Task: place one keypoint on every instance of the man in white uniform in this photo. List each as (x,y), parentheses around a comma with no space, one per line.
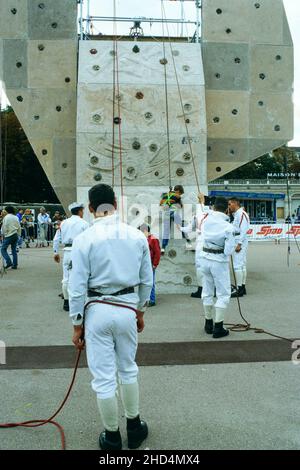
(217,245)
(241,224)
(68,230)
(111,262)
(195,225)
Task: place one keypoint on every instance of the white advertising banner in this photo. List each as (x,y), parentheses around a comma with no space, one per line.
(274,231)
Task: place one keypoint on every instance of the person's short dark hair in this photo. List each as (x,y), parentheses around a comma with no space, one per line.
(179,188)
(221,204)
(235,199)
(102,198)
(76,210)
(10,209)
(144,228)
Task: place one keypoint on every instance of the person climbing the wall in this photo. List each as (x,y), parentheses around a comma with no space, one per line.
(171,205)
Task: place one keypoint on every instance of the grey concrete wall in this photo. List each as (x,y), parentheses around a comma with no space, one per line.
(248,66)
(38,65)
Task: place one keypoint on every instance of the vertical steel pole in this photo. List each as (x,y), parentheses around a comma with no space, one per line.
(198,20)
(81,19)
(88,17)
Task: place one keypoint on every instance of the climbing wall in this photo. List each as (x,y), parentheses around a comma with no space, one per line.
(143,122)
(248,66)
(38,66)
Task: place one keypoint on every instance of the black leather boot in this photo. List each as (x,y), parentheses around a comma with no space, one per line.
(244,289)
(238,293)
(66,305)
(209,326)
(219,330)
(137,431)
(197,294)
(110,440)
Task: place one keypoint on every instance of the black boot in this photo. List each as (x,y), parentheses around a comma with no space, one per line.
(197,294)
(209,326)
(110,440)
(137,431)
(244,289)
(66,305)
(219,330)
(238,293)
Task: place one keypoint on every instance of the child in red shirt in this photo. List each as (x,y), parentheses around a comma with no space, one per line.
(154,248)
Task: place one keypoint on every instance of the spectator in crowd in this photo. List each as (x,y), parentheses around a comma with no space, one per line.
(56,221)
(28,221)
(43,221)
(11,230)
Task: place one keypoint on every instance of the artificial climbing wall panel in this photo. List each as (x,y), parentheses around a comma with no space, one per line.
(141,99)
(38,66)
(248,67)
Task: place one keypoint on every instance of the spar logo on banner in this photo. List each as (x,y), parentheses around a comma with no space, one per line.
(295,231)
(266,231)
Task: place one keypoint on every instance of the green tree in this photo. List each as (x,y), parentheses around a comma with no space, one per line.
(23,179)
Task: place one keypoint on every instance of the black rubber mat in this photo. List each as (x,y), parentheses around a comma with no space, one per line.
(157,354)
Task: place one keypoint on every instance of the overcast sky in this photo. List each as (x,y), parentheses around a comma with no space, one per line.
(152,8)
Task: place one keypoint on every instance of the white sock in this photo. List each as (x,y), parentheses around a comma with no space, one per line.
(244,275)
(209,311)
(130,398)
(239,277)
(65,292)
(199,278)
(220,314)
(108,408)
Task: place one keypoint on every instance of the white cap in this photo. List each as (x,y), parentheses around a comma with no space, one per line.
(76,205)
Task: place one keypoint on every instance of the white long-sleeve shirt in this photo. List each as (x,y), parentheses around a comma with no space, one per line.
(108,257)
(216,234)
(241,224)
(43,219)
(68,231)
(10,225)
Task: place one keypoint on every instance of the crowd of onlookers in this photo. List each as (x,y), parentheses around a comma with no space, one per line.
(36,229)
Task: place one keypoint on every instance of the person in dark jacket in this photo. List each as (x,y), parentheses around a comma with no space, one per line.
(155,257)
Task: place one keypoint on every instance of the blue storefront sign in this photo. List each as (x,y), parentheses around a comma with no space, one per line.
(247,195)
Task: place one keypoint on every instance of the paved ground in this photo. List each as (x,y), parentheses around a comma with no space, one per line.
(210,398)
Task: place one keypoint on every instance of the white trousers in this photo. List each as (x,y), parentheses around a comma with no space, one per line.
(240,259)
(66,273)
(215,275)
(111,344)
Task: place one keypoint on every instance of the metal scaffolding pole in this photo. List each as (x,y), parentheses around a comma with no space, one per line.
(141,19)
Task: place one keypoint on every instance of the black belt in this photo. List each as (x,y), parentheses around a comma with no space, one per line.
(127,290)
(68,245)
(214,252)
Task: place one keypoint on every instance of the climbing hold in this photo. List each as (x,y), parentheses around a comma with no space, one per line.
(257,5)
(219,11)
(216,119)
(139,95)
(94,160)
(277,128)
(41,6)
(44,151)
(54,25)
(156,173)
(186,156)
(209,148)
(260,103)
(218,169)
(64,165)
(97,118)
(117,120)
(148,115)
(163,61)
(131,171)
(36,117)
(180,172)
(14,11)
(187,280)
(234,112)
(187,121)
(41,47)
(93,51)
(98,177)
(58,108)
(278,57)
(262,76)
(67,79)
(153,147)
(186,68)
(172,254)
(217,75)
(96,68)
(20,98)
(228,30)
(187,107)
(237,60)
(135,49)
(232,152)
(136,145)
(19,64)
